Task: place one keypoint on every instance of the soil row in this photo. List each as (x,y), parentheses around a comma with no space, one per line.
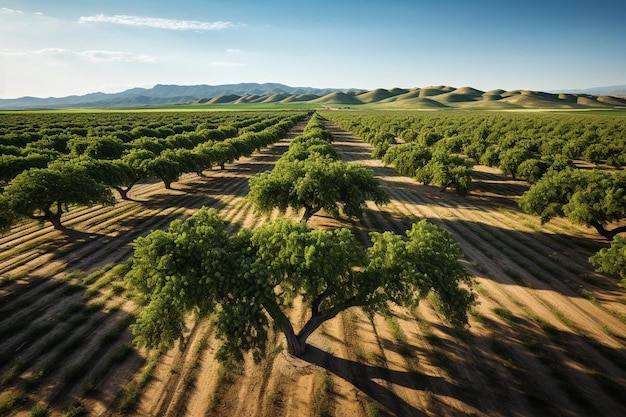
(546,337)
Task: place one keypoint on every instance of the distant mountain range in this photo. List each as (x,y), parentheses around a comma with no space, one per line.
(159,95)
(614,90)
(253,93)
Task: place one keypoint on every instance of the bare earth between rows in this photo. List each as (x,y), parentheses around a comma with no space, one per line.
(547,337)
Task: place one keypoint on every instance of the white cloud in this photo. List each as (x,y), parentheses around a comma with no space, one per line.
(10,11)
(12,52)
(159,23)
(115,56)
(91,55)
(233,51)
(52,51)
(227,64)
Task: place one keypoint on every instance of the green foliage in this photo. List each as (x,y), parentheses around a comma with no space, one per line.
(612,260)
(44,193)
(198,267)
(224,152)
(592,198)
(423,260)
(190,267)
(165,168)
(7,216)
(532,169)
(12,165)
(113,173)
(447,170)
(316,183)
(303,146)
(491,156)
(309,176)
(496,139)
(511,159)
(408,158)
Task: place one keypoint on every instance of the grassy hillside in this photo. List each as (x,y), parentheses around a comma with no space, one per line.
(434,97)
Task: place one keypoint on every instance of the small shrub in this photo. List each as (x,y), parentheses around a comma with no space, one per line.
(38,411)
(9,400)
(505,313)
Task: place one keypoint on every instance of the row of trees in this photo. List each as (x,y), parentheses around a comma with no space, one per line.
(17,154)
(246,279)
(46,193)
(445,156)
(483,136)
(538,148)
(310,176)
(436,165)
(23,129)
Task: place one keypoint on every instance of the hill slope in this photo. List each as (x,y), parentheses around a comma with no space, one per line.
(161,94)
(430,97)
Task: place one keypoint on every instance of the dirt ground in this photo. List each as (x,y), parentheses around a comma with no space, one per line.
(547,337)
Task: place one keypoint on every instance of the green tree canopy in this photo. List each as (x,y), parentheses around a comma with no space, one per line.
(408,158)
(592,198)
(117,173)
(12,165)
(247,279)
(612,260)
(164,167)
(224,152)
(303,146)
(532,169)
(447,170)
(511,159)
(316,183)
(45,193)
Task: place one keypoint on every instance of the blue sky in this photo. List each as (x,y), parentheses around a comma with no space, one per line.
(58,48)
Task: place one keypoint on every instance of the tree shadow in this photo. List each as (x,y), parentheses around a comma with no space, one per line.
(79,236)
(557,372)
(512,365)
(60,345)
(371,380)
(190,200)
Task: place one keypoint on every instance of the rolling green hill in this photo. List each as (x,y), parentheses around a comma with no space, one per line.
(429,97)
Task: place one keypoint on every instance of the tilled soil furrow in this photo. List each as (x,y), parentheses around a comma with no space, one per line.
(536,346)
(109,232)
(493,240)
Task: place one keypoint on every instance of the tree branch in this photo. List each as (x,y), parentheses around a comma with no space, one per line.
(317,319)
(607,234)
(315,304)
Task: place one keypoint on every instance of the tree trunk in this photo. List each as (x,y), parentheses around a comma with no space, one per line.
(55,218)
(56,222)
(607,234)
(295,345)
(308,213)
(314,322)
(442,189)
(168,183)
(123,192)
